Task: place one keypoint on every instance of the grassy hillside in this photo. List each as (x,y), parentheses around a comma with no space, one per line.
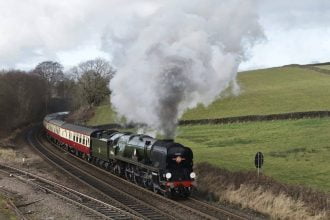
(269,91)
(296,151)
(325,67)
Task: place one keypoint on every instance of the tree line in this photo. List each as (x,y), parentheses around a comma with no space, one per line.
(27,96)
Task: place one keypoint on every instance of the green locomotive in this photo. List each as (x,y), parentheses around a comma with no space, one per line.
(162,165)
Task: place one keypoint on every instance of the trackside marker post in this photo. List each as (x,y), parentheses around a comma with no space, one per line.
(259,161)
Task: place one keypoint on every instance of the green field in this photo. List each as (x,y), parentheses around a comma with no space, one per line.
(296,151)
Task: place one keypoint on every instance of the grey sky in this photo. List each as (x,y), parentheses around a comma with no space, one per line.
(297,31)
(31,31)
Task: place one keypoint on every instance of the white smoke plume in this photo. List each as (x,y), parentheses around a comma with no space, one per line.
(184,53)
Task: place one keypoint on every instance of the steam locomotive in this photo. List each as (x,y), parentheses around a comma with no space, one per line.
(163,166)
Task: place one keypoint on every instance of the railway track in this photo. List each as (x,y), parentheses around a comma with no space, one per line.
(131,198)
(105,192)
(220,213)
(93,208)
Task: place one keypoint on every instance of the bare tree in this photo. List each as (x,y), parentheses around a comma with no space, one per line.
(51,71)
(93,77)
(99,66)
(94,88)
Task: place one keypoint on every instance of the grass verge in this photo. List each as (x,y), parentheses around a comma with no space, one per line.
(262,194)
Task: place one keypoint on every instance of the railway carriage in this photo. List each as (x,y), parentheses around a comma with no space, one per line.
(77,139)
(161,165)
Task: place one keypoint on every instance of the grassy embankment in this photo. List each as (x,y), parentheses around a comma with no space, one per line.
(295,151)
(103,115)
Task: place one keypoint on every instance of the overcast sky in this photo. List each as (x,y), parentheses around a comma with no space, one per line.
(32,31)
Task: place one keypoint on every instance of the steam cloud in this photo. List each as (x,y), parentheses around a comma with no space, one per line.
(184,53)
